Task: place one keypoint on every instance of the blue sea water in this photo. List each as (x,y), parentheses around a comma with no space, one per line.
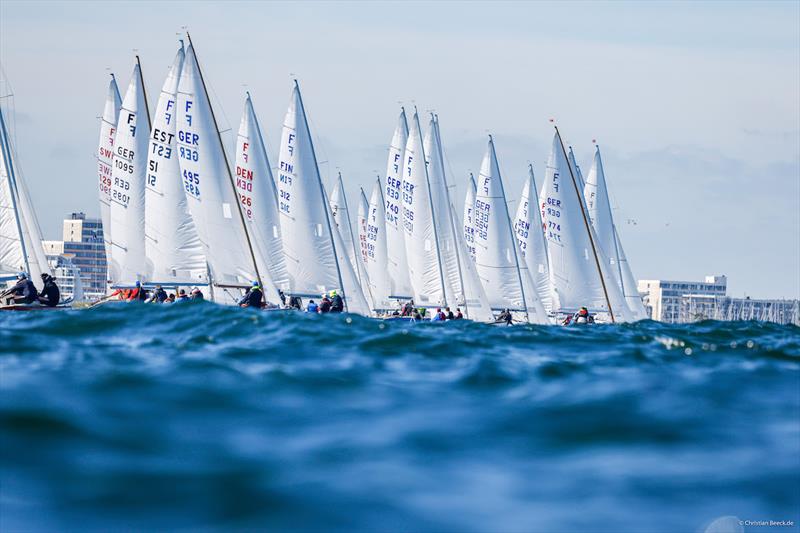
(192,417)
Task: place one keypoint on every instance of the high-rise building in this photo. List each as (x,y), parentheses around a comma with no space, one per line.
(83,247)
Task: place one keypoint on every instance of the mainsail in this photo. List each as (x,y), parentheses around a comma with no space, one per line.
(362,249)
(531,240)
(105,155)
(504,276)
(578,271)
(259,197)
(469,219)
(210,190)
(20,237)
(128,175)
(419,225)
(395,239)
(341,217)
(173,249)
(599,208)
(316,258)
(376,259)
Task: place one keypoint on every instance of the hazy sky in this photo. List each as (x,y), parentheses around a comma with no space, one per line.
(696,105)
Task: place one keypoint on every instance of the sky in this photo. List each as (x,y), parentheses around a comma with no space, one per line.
(696,106)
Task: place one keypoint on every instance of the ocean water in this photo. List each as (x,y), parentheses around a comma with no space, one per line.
(138,417)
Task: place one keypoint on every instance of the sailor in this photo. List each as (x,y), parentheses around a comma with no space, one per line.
(137,293)
(253,296)
(24,292)
(50,295)
(459,315)
(450,315)
(439,315)
(295,303)
(182,297)
(170,299)
(159,295)
(282,296)
(408,308)
(337,304)
(197,295)
(505,316)
(325,304)
(417,315)
(312,307)
(583,316)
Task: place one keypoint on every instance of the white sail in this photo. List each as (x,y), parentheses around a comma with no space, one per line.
(342,220)
(395,236)
(20,237)
(105,155)
(506,279)
(469,222)
(422,248)
(173,249)
(210,191)
(362,249)
(375,258)
(629,286)
(128,175)
(531,240)
(576,169)
(477,306)
(259,197)
(316,258)
(578,271)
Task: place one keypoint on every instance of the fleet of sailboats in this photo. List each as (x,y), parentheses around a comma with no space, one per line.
(177,211)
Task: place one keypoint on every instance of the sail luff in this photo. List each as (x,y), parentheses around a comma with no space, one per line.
(10,188)
(433,208)
(397,255)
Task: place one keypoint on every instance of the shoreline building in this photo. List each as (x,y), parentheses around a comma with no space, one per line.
(692,301)
(82,246)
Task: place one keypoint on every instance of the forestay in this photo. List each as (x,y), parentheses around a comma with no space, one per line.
(258,197)
(209,190)
(376,258)
(422,249)
(393,208)
(531,240)
(174,251)
(469,218)
(577,268)
(128,175)
(20,236)
(105,155)
(316,259)
(504,276)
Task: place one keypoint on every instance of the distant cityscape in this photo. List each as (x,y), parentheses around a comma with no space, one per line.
(80,266)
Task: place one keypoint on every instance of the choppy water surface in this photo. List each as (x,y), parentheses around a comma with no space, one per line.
(140,417)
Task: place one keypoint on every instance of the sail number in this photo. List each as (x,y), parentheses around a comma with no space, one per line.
(191,182)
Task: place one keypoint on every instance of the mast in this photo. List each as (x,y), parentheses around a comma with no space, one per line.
(511,230)
(433,212)
(325,203)
(586,224)
(450,213)
(12,188)
(144,93)
(227,168)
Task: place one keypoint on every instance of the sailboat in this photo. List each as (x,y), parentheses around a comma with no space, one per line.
(343,224)
(361,245)
(105,155)
(211,193)
(579,273)
(20,237)
(469,219)
(315,255)
(259,197)
(129,171)
(506,279)
(172,246)
(599,208)
(393,196)
(376,257)
(531,240)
